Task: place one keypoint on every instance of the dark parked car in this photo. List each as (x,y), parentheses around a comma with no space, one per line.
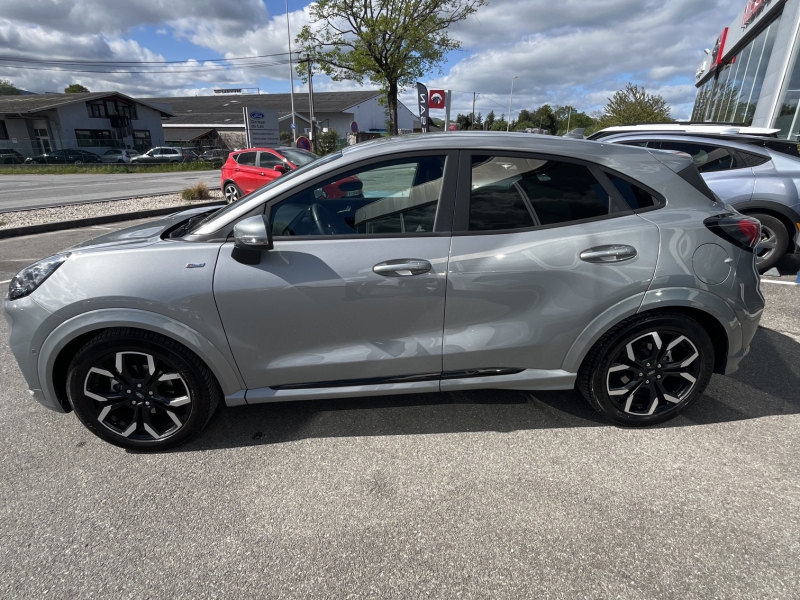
(68,156)
(215,155)
(10,157)
(758,176)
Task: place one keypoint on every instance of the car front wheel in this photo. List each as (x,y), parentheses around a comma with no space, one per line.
(232,192)
(647,369)
(140,390)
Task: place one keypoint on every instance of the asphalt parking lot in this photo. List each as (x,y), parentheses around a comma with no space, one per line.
(23,192)
(464,495)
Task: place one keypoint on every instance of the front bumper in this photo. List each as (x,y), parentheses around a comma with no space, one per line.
(29,325)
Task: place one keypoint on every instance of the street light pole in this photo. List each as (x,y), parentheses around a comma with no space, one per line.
(291,73)
(510,99)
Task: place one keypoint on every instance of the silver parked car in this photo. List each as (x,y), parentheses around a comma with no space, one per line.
(462,262)
(119,155)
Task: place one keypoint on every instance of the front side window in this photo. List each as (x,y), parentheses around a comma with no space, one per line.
(396,198)
(267,160)
(515,193)
(707,158)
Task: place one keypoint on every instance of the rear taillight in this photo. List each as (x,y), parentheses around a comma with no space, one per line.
(742,231)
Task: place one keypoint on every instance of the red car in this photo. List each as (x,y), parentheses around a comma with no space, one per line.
(247,170)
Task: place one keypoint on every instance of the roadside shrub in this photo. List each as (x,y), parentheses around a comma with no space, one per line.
(198,191)
(327,142)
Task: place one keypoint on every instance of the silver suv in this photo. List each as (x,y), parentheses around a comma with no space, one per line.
(456,263)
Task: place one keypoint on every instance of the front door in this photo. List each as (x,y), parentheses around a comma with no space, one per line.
(354,288)
(245,173)
(528,268)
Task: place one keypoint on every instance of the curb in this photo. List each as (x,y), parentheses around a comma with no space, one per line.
(102,220)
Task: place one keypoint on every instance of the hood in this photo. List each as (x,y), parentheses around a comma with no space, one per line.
(140,235)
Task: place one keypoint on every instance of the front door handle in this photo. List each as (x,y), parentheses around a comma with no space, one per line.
(402,267)
(608,254)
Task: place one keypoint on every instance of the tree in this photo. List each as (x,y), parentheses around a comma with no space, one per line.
(634,105)
(75,88)
(490,118)
(569,118)
(7,88)
(464,121)
(327,142)
(390,42)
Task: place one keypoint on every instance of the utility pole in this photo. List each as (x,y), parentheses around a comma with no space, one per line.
(510,99)
(569,114)
(291,74)
(311,136)
(472,123)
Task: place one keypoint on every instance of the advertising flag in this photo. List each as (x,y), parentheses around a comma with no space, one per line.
(422,97)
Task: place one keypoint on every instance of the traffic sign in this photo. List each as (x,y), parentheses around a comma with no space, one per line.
(292,125)
(354,127)
(303,143)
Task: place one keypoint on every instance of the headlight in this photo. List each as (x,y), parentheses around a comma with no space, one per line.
(30,278)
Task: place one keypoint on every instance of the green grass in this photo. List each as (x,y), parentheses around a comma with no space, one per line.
(105,169)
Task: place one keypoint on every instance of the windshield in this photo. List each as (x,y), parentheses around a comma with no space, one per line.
(298,157)
(260,191)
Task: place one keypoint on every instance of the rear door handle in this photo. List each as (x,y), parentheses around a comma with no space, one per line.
(402,267)
(608,254)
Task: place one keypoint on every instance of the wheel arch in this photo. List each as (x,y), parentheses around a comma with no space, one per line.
(711,312)
(63,342)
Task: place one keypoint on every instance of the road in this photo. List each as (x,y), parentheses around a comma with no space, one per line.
(468,495)
(22,192)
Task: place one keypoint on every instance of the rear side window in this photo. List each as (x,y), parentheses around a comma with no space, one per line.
(515,193)
(635,196)
(752,160)
(707,158)
(247,158)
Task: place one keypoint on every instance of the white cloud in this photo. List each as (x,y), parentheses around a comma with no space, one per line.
(566,52)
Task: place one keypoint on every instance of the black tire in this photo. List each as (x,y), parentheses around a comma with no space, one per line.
(605,369)
(774,233)
(141,395)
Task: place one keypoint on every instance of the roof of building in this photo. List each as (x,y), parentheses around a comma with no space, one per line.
(185,134)
(206,110)
(38,102)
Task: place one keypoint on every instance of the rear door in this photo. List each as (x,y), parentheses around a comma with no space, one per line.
(528,269)
(245,173)
(353,291)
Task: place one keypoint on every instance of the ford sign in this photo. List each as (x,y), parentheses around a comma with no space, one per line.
(256,115)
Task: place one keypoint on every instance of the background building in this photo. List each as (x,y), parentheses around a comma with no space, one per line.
(219,120)
(752,75)
(38,123)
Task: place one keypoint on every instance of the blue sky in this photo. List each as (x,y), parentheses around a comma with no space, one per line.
(566,52)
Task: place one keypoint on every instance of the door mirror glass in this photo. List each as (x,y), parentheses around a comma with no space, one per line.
(280,168)
(253,233)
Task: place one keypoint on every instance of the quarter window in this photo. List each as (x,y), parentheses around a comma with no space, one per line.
(515,193)
(635,196)
(393,198)
(707,158)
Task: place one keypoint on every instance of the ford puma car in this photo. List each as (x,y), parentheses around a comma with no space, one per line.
(456,263)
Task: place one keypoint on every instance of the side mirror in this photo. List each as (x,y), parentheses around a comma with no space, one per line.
(253,233)
(280,168)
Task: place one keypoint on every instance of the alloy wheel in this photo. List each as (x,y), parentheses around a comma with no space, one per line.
(653,373)
(767,244)
(231,193)
(138,396)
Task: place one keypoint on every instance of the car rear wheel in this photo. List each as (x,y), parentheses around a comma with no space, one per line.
(773,244)
(78,162)
(140,390)
(232,192)
(648,369)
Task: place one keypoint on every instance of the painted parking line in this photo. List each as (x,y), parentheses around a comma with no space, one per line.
(780,282)
(6,281)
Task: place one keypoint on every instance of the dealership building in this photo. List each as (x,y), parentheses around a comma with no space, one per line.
(752,75)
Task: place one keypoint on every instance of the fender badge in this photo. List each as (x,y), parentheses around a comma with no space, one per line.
(195,265)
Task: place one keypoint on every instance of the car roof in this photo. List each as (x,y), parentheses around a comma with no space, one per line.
(752,144)
(685,127)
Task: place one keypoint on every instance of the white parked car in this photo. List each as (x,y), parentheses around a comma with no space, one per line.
(118,155)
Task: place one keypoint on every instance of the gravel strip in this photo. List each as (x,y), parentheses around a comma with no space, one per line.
(95,209)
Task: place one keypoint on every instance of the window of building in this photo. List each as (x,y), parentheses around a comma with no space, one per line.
(94,137)
(397,198)
(141,140)
(732,94)
(515,193)
(3,131)
(101,109)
